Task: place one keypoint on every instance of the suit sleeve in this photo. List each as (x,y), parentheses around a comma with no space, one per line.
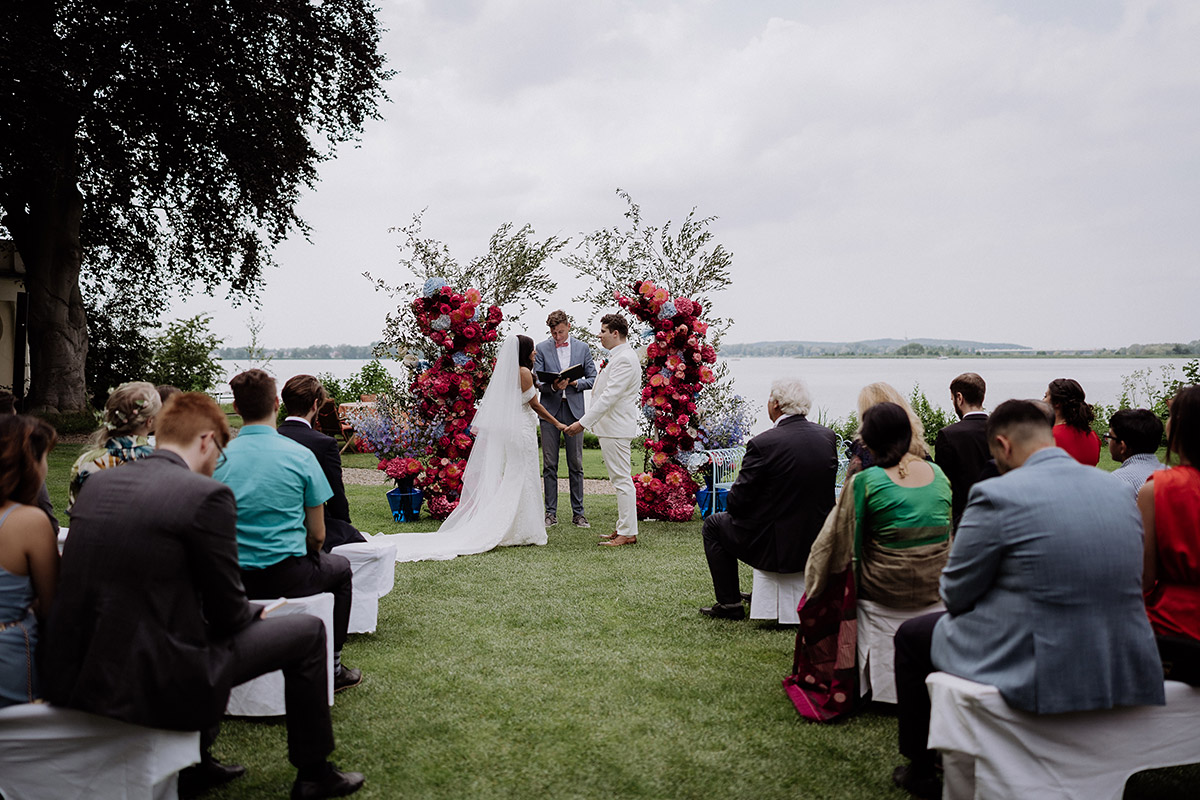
(213,558)
(743,495)
(620,381)
(539,365)
(975,555)
(338,506)
(589,372)
(945,456)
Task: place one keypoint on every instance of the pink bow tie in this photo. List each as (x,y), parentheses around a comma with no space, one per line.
(564,344)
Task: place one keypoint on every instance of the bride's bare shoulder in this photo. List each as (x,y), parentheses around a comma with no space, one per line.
(526,378)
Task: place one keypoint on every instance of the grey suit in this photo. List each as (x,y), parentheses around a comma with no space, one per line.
(1044,591)
(567,407)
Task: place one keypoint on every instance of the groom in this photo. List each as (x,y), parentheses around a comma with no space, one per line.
(613,417)
(565,401)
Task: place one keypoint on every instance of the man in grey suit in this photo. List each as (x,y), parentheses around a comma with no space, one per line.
(1043,593)
(563,399)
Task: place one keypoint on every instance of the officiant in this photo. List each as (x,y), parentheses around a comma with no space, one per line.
(564,399)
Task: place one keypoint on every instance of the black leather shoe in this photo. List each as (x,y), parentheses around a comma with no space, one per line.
(344,678)
(919,783)
(723,611)
(208,774)
(334,784)
(745,596)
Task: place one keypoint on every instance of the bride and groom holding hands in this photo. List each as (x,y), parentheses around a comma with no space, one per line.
(501,502)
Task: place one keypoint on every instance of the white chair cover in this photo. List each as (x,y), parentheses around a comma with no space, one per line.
(776,595)
(990,750)
(51,753)
(374,566)
(263,696)
(876,647)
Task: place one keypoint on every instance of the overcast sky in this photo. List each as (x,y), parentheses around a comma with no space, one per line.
(997,171)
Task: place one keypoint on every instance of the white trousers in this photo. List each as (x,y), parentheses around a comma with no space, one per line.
(617,454)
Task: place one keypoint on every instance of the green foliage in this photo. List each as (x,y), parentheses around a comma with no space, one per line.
(934,418)
(119,350)
(911,349)
(1142,389)
(845,427)
(686,263)
(373,378)
(160,146)
(183,355)
(256,355)
(512,274)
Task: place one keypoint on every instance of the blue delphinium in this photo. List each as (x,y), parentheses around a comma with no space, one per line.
(728,427)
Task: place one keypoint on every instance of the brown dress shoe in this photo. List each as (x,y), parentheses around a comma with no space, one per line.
(617,541)
(608,536)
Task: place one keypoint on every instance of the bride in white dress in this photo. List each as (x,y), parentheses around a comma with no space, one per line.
(501,500)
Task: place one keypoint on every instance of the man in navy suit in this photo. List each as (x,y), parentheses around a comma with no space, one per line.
(563,399)
(302,396)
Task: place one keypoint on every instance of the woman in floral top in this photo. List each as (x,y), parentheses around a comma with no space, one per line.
(128,419)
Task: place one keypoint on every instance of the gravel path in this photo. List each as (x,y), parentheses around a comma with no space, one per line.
(373,477)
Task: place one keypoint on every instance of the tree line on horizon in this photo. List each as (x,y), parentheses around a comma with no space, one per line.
(927,348)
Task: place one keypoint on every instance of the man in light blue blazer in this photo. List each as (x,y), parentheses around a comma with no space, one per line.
(1043,593)
(565,401)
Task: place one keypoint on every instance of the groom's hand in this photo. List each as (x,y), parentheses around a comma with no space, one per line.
(574,429)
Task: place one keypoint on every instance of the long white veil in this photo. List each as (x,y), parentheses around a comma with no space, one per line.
(492,483)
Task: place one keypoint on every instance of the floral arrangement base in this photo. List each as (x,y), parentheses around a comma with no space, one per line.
(704,499)
(406,506)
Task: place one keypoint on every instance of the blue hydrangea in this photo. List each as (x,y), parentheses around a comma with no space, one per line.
(441,323)
(650,412)
(667,311)
(479,313)
(461,358)
(431,286)
(646,333)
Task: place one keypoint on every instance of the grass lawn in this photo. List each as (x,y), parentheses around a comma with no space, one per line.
(593,463)
(574,671)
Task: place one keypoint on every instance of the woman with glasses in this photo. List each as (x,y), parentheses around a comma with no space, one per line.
(1170,506)
(128,421)
(28,553)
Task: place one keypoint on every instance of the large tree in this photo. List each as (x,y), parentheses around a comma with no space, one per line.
(160,146)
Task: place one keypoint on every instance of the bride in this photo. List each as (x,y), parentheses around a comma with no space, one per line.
(501,500)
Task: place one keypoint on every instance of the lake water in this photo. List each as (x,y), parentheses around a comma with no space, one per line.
(835,382)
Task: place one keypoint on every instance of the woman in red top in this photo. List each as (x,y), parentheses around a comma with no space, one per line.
(1170,506)
(1073,421)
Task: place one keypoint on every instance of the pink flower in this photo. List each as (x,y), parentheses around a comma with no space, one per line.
(473,296)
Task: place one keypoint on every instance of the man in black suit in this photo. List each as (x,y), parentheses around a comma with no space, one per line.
(779,501)
(961,449)
(302,396)
(151,624)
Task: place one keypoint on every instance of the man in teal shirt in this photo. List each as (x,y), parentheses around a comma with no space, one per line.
(281,493)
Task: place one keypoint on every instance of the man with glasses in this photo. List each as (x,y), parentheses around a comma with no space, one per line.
(281,493)
(151,624)
(1134,435)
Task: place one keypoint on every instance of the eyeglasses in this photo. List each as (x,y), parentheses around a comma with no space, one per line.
(1110,437)
(221,458)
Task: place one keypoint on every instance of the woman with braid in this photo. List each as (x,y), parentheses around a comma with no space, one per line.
(128,419)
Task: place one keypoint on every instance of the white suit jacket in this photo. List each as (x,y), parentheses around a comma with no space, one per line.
(616,394)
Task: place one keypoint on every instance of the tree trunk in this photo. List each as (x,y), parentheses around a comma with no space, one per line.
(57,322)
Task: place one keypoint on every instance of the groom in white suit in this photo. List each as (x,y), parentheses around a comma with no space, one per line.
(613,417)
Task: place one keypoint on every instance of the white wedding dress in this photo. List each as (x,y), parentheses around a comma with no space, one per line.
(501,502)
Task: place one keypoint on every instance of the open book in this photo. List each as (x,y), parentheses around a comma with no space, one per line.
(571,373)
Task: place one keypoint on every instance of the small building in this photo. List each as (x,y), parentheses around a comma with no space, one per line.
(14,323)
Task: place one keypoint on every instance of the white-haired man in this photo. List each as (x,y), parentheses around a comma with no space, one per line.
(779,501)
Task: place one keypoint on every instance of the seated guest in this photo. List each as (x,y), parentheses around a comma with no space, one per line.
(128,421)
(961,449)
(303,396)
(28,554)
(1073,421)
(8,405)
(1134,435)
(782,493)
(281,493)
(893,521)
(1042,592)
(151,625)
(873,394)
(1170,506)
